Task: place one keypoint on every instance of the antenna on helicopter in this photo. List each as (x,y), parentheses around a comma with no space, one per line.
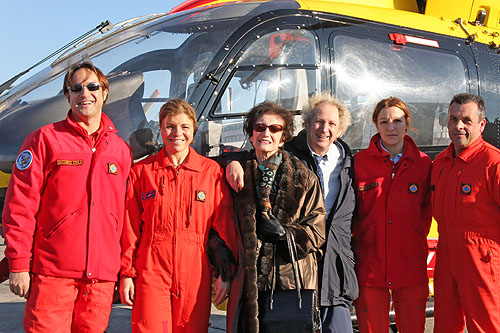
(103,28)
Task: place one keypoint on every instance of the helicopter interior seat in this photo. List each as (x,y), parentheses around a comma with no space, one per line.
(124,104)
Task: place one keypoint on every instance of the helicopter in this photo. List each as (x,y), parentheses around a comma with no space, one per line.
(226,56)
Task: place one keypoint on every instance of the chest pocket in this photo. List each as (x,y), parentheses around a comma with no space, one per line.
(200,209)
(415,192)
(151,204)
(467,193)
(366,194)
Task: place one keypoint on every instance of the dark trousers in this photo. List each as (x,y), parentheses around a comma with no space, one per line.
(335,319)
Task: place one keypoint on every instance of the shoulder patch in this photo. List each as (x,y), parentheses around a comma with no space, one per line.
(24,159)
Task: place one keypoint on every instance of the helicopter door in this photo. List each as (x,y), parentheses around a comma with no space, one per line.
(278,66)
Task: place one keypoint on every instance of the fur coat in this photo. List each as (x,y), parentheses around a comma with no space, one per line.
(298,206)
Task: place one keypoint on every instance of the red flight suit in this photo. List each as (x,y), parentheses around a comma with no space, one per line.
(392,219)
(169,213)
(466,206)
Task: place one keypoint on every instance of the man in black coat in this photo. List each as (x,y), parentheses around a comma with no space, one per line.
(319,146)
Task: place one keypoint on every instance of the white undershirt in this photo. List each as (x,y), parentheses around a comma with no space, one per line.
(331,165)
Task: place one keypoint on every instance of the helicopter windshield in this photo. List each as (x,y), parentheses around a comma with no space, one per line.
(146,63)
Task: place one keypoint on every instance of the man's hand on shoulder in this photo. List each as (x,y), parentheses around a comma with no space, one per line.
(235,175)
(19,283)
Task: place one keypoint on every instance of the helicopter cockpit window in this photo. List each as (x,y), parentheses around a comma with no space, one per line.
(424,79)
(279,66)
(281,47)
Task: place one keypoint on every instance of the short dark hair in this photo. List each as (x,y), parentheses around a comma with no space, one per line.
(464,98)
(270,108)
(68,78)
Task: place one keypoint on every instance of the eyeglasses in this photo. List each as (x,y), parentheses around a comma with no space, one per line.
(274,128)
(79,87)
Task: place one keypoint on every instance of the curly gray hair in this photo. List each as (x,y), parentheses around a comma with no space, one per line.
(310,110)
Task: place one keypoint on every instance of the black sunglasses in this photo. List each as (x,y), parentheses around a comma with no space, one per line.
(79,87)
(274,128)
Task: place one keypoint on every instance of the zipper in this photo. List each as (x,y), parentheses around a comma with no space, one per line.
(61,222)
(162,188)
(174,241)
(458,191)
(191,199)
(162,208)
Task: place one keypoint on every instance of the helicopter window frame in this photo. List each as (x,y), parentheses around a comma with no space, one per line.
(234,67)
(208,137)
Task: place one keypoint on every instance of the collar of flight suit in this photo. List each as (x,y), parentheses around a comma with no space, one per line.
(468,154)
(192,162)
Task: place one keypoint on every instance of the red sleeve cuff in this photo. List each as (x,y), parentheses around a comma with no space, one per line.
(19,265)
(129,273)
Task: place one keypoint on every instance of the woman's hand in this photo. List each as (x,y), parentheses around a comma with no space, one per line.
(221,291)
(127,290)
(234,175)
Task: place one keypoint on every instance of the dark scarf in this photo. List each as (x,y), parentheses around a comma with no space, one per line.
(266,181)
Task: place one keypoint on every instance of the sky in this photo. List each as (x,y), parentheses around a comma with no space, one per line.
(33,29)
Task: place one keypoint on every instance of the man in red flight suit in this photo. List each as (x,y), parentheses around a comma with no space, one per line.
(63,213)
(466,205)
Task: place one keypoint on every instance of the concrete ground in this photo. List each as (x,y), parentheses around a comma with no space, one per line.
(12,310)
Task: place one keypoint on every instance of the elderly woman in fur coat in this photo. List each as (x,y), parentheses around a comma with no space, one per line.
(279,193)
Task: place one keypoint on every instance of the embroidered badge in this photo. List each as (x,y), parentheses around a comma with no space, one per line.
(466,189)
(112,169)
(201,196)
(24,159)
(148,195)
(367,187)
(413,188)
(69,162)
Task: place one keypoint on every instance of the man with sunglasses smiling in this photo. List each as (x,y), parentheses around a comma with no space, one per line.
(64,210)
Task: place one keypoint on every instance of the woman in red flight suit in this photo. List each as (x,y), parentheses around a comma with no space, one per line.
(391,224)
(175,200)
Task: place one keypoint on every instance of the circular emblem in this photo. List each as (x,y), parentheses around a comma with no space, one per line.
(201,196)
(412,188)
(24,159)
(466,188)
